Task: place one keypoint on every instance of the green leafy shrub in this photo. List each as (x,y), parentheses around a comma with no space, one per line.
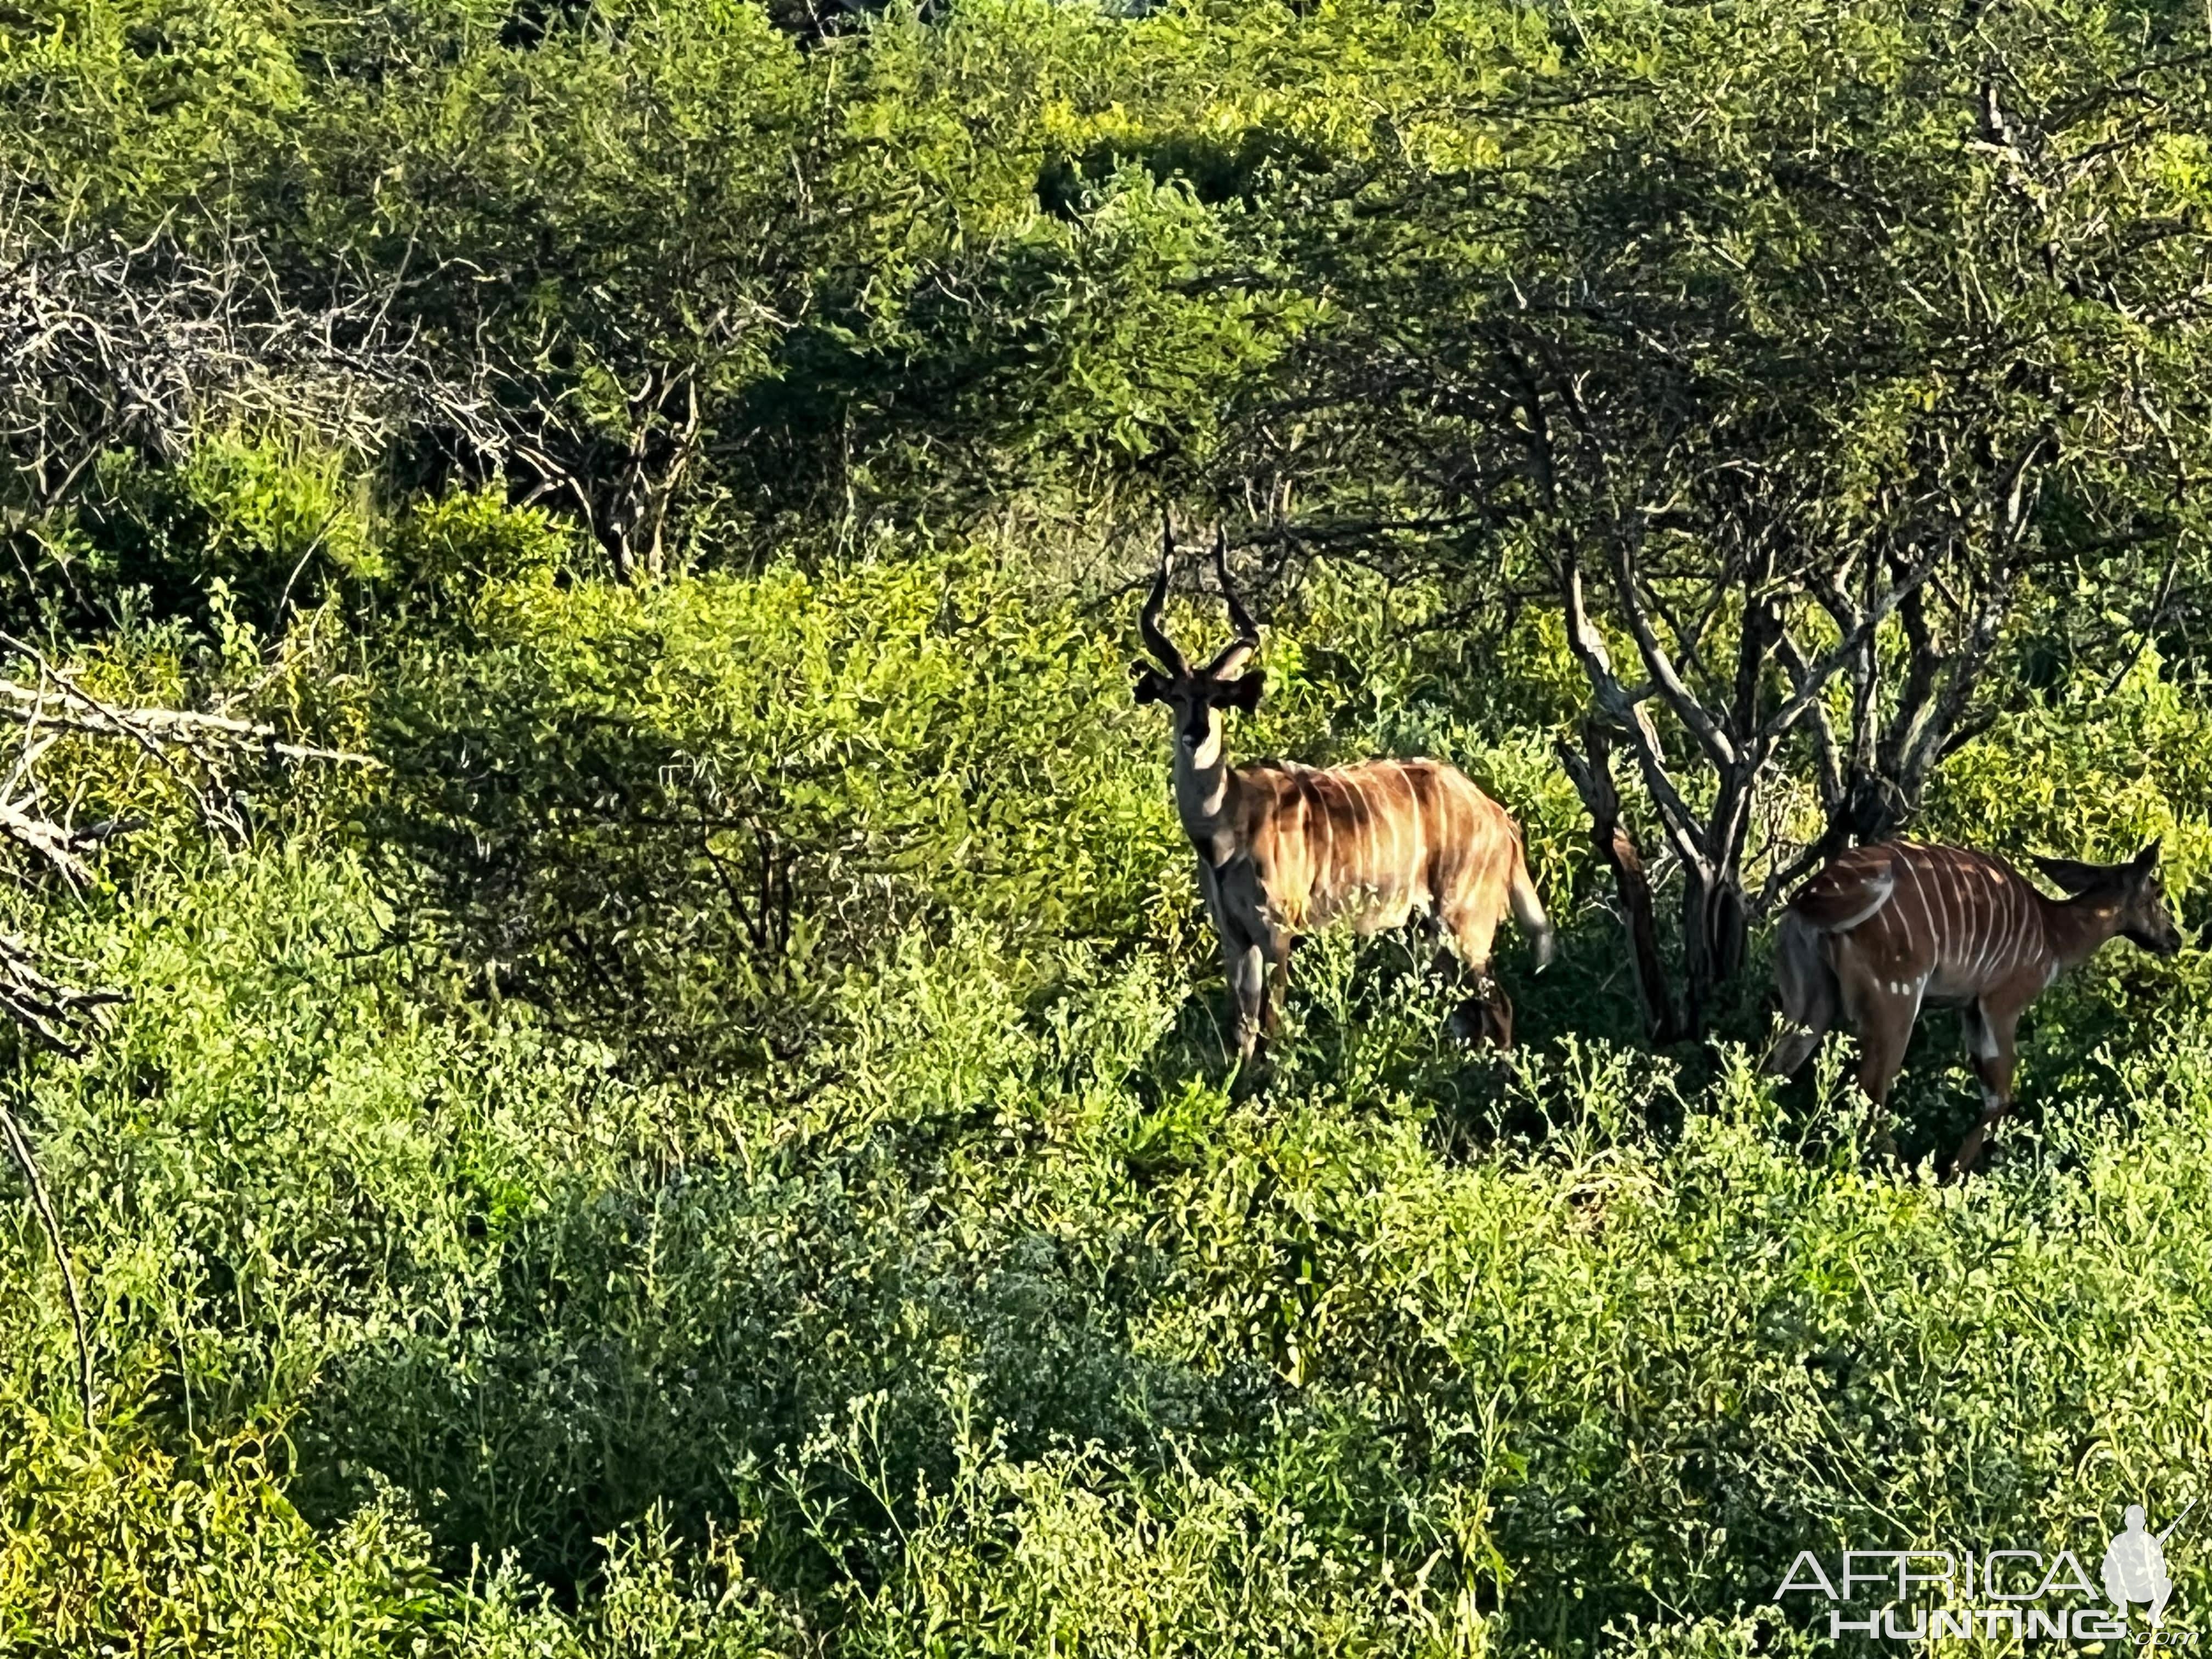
(708,801)
(720,1143)
(245,523)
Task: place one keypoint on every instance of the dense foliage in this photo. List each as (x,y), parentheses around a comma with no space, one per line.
(710,1132)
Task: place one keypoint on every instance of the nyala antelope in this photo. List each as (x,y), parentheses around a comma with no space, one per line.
(1283,849)
(1884,930)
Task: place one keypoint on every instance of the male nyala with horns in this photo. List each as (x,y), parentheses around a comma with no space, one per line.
(1283,849)
(1885,929)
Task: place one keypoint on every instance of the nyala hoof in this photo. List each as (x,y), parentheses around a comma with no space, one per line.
(1983,1159)
(1248,1076)
(1480,1023)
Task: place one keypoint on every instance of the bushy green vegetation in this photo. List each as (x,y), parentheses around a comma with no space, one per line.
(717,1140)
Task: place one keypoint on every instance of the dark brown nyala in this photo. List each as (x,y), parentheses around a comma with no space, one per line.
(1887,929)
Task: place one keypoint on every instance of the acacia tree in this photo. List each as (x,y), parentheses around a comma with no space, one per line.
(1827,355)
(561,260)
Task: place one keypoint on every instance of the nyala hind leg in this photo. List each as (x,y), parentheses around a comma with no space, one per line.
(1806,998)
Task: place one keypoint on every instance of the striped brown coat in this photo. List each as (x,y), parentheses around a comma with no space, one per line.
(1283,849)
(1884,931)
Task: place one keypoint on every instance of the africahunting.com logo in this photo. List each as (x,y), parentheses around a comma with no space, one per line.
(1919,1595)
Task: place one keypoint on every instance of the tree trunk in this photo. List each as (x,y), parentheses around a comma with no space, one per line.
(1592,779)
(1716,928)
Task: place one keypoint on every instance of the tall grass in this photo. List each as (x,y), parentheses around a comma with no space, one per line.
(989,1314)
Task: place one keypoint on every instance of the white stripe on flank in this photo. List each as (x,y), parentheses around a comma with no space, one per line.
(1970,910)
(2000,926)
(1946,877)
(1325,883)
(1386,863)
(1378,868)
(1386,866)
(1413,805)
(1920,893)
(2000,911)
(1980,895)
(1405,838)
(1355,822)
(1939,904)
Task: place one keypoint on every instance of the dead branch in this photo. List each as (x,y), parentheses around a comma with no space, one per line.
(57,1016)
(19,1148)
(108,346)
(61,1017)
(26,704)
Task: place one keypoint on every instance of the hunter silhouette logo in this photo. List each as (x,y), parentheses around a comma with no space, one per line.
(2135,1565)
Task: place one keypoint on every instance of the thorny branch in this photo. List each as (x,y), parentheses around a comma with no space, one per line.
(107,347)
(104,346)
(60,1017)
(19,1148)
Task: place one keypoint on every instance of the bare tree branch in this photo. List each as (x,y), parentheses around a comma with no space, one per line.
(19,1148)
(63,1019)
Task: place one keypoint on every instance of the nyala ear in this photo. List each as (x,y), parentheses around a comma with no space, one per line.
(1243,692)
(1152,685)
(2071,876)
(2147,860)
